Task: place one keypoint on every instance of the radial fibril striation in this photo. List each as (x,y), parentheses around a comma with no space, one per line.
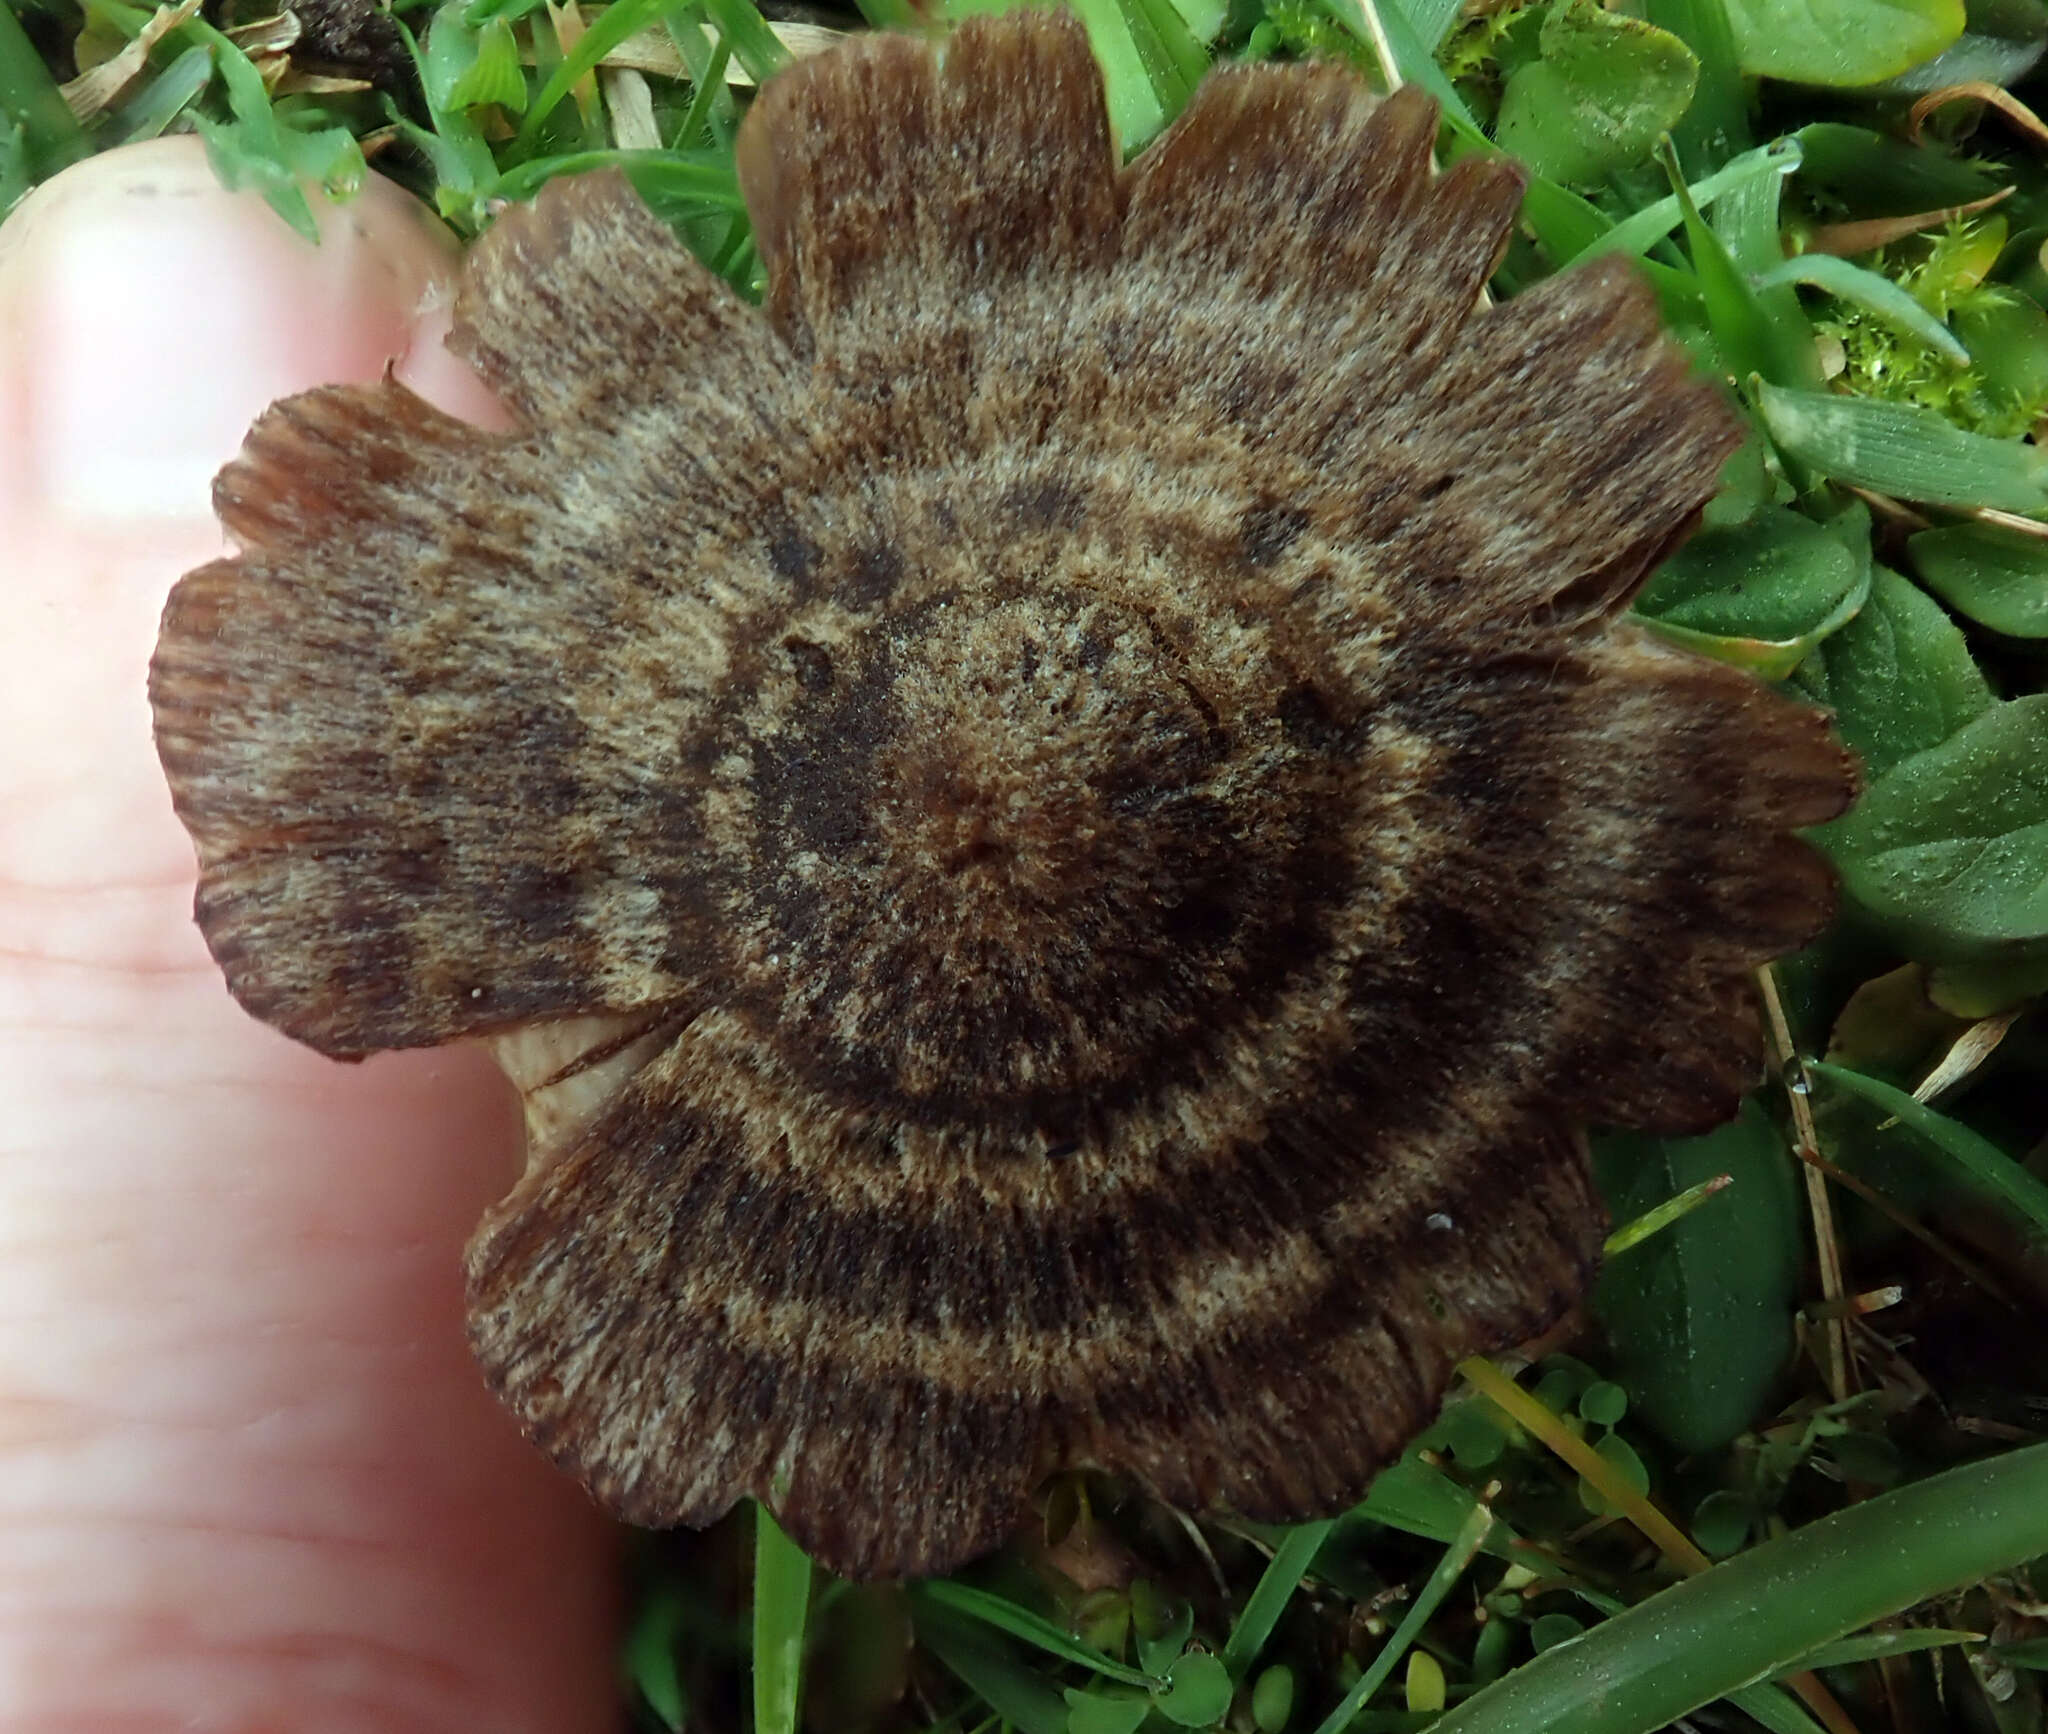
(1064,829)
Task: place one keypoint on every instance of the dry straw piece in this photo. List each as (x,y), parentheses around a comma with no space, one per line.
(1063,828)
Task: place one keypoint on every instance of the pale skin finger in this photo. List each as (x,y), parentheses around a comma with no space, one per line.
(248,1475)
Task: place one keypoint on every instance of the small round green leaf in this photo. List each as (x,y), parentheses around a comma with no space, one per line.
(1554,1629)
(1273,1699)
(1197,1690)
(1604,1403)
(1605,89)
(1721,1524)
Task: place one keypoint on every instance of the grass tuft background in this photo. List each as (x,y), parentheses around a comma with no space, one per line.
(1789,1471)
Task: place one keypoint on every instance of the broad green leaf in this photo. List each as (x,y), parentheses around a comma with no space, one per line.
(1746,486)
(1874,174)
(1899,677)
(1984,989)
(330,158)
(1840,42)
(1762,594)
(1198,1691)
(1162,1624)
(1764,1609)
(446,54)
(1949,849)
(1722,1522)
(465,172)
(1620,1456)
(1904,450)
(1994,575)
(2020,1191)
(1700,1316)
(1971,59)
(1606,88)
(2006,334)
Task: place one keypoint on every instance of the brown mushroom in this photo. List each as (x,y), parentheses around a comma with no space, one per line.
(1065,827)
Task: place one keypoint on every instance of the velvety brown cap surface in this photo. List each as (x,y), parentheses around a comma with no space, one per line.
(1064,827)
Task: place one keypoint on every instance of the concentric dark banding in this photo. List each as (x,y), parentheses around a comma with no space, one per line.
(1063,832)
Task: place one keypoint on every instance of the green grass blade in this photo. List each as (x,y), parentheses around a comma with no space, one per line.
(754,45)
(1990,1167)
(1432,21)
(51,136)
(1766,1609)
(1875,1646)
(704,177)
(650,1660)
(251,152)
(1877,295)
(1904,450)
(1776,1709)
(164,98)
(782,1594)
(1645,228)
(982,1661)
(1652,1222)
(1041,1633)
(1174,61)
(1276,1587)
(617,22)
(1741,325)
(696,124)
(1448,1570)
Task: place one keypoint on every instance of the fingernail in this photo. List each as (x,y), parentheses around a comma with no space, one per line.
(155,314)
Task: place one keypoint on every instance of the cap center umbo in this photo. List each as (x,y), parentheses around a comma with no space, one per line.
(1009,851)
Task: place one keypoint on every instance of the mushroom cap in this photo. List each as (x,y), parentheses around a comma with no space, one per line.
(1064,826)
